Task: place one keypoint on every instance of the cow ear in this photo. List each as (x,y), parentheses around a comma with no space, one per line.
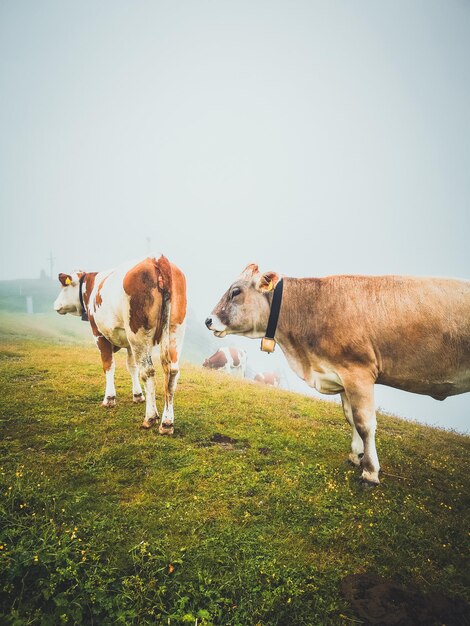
(267,281)
(250,270)
(65,279)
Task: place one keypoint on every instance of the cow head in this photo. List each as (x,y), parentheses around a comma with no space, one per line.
(244,307)
(68,300)
(215,361)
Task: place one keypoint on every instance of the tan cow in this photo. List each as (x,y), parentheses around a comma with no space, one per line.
(134,306)
(343,334)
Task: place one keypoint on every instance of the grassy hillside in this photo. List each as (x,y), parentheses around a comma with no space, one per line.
(70,329)
(247,515)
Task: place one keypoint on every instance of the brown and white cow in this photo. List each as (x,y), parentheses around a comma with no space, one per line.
(228,359)
(271,379)
(134,306)
(343,334)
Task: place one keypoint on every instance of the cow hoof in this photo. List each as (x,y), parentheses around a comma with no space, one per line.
(368,480)
(166,429)
(138,397)
(109,401)
(148,423)
(354,459)
(368,484)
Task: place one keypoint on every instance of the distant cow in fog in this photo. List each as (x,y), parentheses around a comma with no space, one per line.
(134,306)
(268,378)
(228,359)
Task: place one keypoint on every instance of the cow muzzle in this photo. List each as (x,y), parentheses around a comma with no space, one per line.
(215,325)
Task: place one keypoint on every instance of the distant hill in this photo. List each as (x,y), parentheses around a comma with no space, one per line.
(14,294)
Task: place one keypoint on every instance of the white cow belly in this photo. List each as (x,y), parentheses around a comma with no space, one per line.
(117,337)
(112,327)
(327,382)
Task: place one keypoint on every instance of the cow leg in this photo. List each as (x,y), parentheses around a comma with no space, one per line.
(357,445)
(361,400)
(141,345)
(133,370)
(169,355)
(107,358)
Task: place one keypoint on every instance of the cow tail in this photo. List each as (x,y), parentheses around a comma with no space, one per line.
(164,284)
(163,267)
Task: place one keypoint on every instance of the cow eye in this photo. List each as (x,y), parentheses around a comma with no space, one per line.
(235,292)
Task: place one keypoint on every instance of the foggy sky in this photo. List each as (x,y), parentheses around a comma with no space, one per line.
(313,138)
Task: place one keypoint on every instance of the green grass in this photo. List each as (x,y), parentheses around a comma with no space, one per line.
(103,523)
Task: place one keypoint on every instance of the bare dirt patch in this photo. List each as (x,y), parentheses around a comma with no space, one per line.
(225,442)
(381,602)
